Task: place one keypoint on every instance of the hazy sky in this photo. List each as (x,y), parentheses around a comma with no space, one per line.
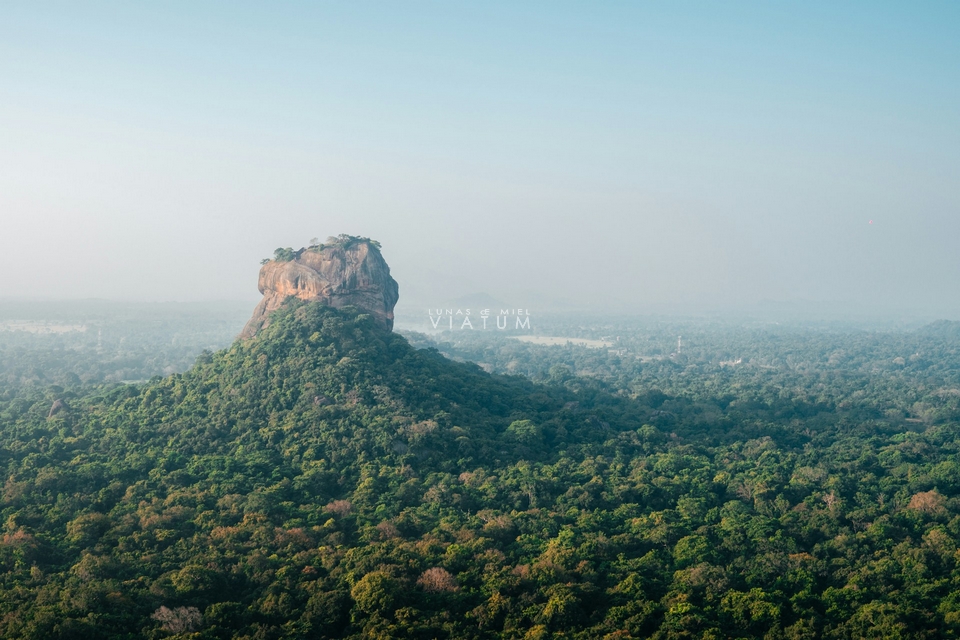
(625,155)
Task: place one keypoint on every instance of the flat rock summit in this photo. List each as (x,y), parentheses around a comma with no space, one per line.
(343,271)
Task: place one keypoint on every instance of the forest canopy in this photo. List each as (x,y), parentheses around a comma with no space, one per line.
(327,479)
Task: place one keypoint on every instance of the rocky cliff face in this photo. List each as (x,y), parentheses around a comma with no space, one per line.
(345,271)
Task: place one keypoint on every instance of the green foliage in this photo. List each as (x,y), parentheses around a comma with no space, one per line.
(524,431)
(342,241)
(281,254)
(326,479)
(376,593)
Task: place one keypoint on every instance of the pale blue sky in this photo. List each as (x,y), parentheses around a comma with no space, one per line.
(633,155)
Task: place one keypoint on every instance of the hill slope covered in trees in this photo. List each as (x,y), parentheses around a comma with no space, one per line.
(325,479)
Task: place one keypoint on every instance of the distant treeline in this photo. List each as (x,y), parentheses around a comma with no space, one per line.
(75,343)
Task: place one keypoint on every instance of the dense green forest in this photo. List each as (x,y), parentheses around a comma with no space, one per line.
(328,479)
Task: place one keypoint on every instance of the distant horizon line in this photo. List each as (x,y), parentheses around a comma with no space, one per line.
(797,309)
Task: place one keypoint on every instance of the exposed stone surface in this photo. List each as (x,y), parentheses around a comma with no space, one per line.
(346,271)
(58,406)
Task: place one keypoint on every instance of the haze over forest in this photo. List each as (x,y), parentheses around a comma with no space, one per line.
(575,321)
(693,158)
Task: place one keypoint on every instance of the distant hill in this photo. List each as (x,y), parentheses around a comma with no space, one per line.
(243,479)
